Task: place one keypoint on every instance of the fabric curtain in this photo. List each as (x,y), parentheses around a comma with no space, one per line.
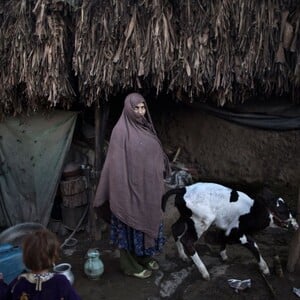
(32,154)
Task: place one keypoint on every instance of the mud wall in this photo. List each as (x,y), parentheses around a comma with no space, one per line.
(225,152)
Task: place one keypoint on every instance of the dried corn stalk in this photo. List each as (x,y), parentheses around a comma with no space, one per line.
(124,43)
(220,50)
(36,56)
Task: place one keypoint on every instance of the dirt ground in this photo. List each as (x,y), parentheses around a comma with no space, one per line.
(180,280)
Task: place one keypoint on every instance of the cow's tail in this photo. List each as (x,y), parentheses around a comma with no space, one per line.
(165,197)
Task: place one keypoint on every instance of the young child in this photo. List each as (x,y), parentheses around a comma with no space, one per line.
(40,252)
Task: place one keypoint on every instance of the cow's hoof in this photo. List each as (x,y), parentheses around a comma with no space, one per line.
(184,258)
(206,276)
(264,268)
(223,255)
(266,271)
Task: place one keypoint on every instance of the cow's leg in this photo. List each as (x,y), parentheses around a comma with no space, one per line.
(253,247)
(178,230)
(188,240)
(223,242)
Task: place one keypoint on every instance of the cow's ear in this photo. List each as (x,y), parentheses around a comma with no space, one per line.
(265,195)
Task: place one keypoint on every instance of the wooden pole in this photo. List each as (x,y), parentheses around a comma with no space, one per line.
(103,122)
(294,248)
(101,117)
(94,232)
(97,140)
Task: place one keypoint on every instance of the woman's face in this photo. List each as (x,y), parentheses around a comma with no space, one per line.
(140,109)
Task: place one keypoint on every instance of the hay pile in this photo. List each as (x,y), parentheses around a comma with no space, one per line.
(57,52)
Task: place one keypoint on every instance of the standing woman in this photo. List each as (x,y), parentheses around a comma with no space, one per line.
(132,183)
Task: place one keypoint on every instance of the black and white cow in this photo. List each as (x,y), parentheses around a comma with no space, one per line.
(204,204)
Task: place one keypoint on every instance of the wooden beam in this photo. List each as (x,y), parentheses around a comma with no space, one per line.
(101,117)
(94,232)
(97,139)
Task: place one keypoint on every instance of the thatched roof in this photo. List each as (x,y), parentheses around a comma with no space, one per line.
(227,51)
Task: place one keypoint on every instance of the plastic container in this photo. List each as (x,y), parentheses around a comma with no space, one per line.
(11,262)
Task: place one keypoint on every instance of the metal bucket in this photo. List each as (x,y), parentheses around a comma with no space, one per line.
(65,269)
(72,215)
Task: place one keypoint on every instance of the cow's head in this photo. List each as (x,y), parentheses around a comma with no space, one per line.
(279,212)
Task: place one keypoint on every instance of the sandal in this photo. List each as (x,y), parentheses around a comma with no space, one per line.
(144,274)
(153,265)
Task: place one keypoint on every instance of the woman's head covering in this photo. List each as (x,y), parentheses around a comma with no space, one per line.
(133,172)
(131,101)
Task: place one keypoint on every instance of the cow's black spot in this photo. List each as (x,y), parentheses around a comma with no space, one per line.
(180,203)
(234,196)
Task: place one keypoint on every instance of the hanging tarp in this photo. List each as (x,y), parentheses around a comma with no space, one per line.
(280,119)
(32,153)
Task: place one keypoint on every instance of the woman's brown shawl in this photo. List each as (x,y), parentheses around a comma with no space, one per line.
(132,175)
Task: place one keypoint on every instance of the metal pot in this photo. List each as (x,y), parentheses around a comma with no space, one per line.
(65,269)
(93,267)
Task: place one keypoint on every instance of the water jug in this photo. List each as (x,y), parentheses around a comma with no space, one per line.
(93,267)
(65,269)
(11,262)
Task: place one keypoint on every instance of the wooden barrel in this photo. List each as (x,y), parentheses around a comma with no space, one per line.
(74,192)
